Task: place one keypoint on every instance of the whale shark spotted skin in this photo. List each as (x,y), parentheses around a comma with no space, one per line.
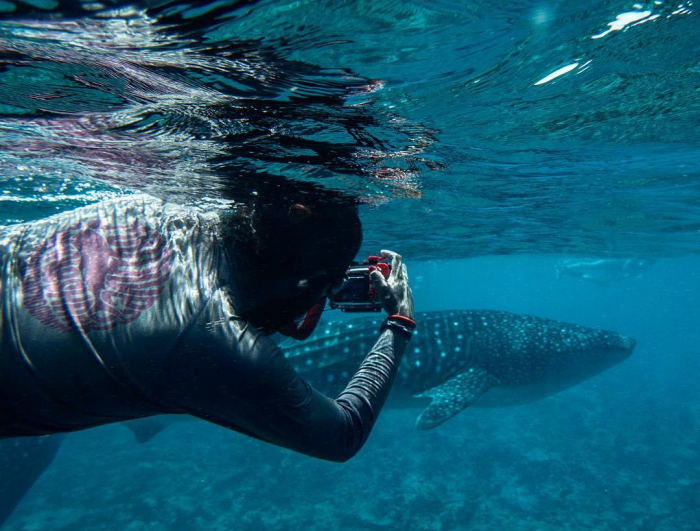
(457,359)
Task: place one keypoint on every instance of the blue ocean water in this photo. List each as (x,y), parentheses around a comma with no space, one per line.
(616,452)
(488,143)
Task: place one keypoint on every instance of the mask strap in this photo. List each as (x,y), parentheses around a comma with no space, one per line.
(308,325)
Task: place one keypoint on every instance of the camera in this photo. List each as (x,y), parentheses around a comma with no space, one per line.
(357,293)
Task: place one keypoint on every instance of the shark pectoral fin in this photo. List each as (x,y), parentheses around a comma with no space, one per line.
(453,396)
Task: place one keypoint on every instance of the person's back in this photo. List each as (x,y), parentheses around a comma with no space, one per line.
(134,307)
(107,288)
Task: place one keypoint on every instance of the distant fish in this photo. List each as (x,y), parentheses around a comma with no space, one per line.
(603,271)
(462,358)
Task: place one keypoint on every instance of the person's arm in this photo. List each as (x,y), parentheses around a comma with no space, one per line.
(237,377)
(253,389)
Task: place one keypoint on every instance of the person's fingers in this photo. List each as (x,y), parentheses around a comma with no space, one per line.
(396,262)
(379,281)
(391,255)
(396,268)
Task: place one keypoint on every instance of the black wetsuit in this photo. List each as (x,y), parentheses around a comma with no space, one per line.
(126,309)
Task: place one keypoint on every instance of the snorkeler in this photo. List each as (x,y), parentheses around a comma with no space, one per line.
(135,307)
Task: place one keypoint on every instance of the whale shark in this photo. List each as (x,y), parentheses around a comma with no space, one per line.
(456,359)
(459,359)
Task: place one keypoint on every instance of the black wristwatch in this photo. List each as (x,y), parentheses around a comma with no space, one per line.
(399,323)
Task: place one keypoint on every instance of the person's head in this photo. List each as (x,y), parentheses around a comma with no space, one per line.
(291,242)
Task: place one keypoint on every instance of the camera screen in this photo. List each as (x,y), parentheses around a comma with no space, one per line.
(353,290)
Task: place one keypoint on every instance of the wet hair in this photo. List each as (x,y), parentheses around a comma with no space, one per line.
(282,229)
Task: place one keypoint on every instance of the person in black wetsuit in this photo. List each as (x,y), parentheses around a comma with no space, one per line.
(135,307)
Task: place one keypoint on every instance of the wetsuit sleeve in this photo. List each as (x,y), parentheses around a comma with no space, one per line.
(245,383)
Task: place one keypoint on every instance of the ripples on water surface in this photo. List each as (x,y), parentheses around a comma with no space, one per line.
(471,127)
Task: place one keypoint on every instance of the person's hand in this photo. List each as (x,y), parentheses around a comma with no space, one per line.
(394,292)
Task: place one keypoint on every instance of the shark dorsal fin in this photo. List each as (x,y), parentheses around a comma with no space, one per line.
(453,396)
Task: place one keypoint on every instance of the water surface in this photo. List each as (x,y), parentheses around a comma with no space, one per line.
(466,128)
